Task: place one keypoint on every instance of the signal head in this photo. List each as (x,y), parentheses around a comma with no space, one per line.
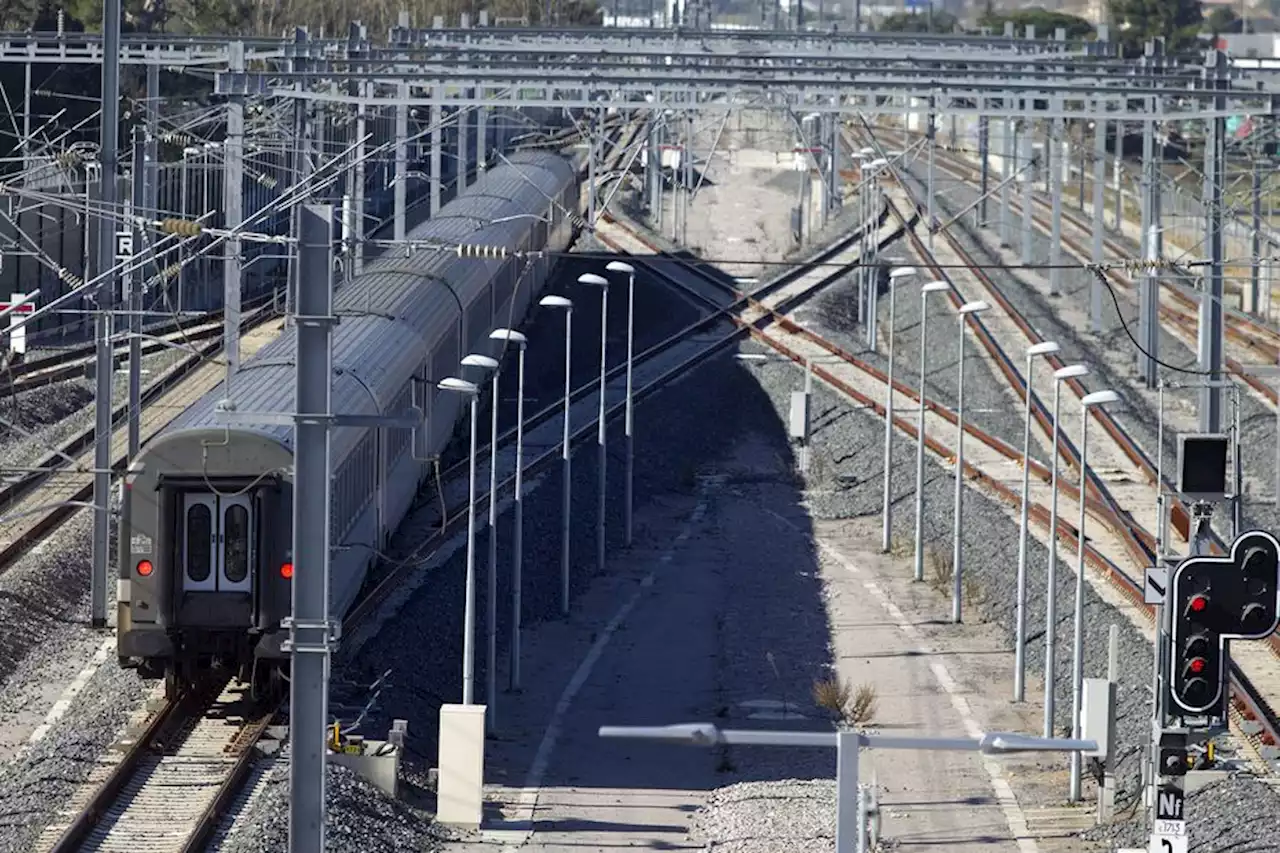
(1256,604)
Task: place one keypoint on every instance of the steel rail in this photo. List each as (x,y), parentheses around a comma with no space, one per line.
(1246,700)
(172,719)
(454,517)
(55,463)
(718,312)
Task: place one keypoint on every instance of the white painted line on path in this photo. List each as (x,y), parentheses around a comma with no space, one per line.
(527,799)
(1000,786)
(60,708)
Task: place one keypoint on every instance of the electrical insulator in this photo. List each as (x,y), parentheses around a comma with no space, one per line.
(184,227)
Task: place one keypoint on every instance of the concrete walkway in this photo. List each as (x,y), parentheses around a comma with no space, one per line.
(639,650)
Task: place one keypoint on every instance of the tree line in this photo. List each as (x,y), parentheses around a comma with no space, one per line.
(1179,22)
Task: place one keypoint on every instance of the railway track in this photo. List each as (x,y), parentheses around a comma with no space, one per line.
(76,362)
(1248,336)
(1250,705)
(179,771)
(684,349)
(40,498)
(167,791)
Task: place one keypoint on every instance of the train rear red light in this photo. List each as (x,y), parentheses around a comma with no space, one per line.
(286,571)
(145,568)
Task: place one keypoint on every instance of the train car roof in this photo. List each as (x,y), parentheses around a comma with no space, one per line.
(385,325)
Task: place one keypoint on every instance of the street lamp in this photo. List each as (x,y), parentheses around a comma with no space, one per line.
(887,513)
(510,336)
(462,386)
(1071,371)
(957,552)
(482,363)
(620,266)
(867,280)
(567,305)
(931,287)
(1020,631)
(602,283)
(1097,398)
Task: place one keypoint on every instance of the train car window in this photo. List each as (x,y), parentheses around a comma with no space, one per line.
(444,362)
(235,539)
(478,317)
(199,530)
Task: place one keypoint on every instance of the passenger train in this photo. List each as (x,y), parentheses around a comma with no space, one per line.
(208,569)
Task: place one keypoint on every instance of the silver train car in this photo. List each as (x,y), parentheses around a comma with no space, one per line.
(205,576)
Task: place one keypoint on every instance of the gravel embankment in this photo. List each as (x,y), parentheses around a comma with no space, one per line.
(358,817)
(48,416)
(1110,357)
(47,642)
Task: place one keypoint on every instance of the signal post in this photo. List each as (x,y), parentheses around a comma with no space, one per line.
(1210,600)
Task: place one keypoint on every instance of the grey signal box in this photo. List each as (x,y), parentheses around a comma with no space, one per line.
(1202,466)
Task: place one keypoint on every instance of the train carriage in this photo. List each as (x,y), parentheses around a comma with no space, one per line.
(205,575)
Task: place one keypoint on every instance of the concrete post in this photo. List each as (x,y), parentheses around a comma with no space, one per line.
(1099,179)
(437,143)
(1210,336)
(1055,180)
(358,179)
(106,295)
(1148,284)
(1028,187)
(482,135)
(133,301)
(309,628)
(984,165)
(232,203)
(402,162)
(1255,238)
(1008,148)
(932,132)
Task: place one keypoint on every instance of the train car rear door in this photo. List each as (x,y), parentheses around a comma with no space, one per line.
(218,538)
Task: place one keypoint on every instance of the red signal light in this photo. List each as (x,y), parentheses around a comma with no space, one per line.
(1199,603)
(145,568)
(1196,665)
(286,571)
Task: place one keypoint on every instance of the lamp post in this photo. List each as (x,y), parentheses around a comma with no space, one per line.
(1097,398)
(1060,375)
(602,283)
(1020,630)
(870,295)
(462,386)
(931,287)
(620,266)
(483,363)
(957,551)
(887,512)
(567,305)
(510,336)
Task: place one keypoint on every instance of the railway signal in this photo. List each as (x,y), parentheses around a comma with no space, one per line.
(1215,599)
(18,306)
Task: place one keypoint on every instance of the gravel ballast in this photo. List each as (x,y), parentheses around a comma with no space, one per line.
(1110,357)
(680,433)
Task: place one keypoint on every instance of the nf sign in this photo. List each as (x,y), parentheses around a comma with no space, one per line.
(1169,804)
(1170,835)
